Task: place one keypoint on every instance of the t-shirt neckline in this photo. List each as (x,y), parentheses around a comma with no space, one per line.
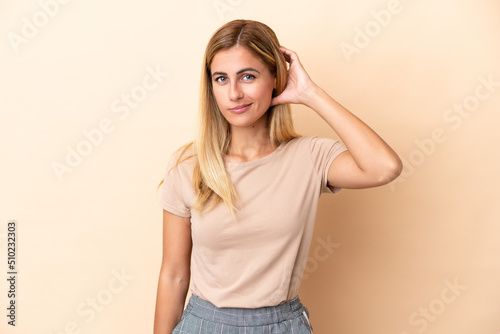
(258,161)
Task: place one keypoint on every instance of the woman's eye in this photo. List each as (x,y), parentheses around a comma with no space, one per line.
(248,77)
(220,79)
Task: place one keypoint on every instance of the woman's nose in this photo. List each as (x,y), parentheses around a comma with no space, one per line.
(235,91)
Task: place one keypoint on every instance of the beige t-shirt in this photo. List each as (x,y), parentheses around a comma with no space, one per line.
(259,259)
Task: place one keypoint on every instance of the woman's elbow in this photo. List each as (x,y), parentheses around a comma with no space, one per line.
(392,169)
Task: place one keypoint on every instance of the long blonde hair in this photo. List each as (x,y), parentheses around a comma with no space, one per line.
(211,180)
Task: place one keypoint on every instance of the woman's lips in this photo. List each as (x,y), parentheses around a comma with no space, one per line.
(240,109)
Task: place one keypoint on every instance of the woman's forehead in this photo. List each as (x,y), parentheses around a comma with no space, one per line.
(234,59)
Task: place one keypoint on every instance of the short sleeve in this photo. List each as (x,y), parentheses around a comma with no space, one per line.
(323,152)
(172,197)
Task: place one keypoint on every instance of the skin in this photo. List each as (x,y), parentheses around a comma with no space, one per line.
(240,78)
(369,161)
(175,273)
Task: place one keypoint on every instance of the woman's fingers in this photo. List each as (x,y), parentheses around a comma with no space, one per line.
(286,53)
(290,55)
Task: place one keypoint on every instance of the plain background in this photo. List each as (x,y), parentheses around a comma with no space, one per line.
(382,260)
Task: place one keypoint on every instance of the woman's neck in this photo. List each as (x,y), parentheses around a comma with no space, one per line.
(249,144)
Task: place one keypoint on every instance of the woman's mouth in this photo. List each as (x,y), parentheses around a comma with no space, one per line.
(240,109)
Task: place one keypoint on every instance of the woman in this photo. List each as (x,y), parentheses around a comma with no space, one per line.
(240,201)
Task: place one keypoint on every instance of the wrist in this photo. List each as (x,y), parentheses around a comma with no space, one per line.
(312,95)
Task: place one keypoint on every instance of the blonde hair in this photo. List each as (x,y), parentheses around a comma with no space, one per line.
(211,181)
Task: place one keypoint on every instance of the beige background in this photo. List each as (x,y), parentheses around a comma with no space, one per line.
(404,67)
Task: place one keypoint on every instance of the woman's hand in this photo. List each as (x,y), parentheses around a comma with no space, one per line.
(298,84)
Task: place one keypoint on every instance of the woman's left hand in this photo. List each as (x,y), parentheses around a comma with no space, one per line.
(298,82)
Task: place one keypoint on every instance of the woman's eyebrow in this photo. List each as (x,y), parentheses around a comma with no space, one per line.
(240,71)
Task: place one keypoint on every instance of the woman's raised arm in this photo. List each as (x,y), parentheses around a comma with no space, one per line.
(369,161)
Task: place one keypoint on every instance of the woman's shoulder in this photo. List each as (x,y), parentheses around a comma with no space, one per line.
(310,144)
(303,141)
(310,140)
(183,156)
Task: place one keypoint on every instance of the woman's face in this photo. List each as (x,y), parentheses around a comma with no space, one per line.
(242,86)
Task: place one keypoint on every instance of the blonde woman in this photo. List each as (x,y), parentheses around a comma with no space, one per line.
(239,203)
